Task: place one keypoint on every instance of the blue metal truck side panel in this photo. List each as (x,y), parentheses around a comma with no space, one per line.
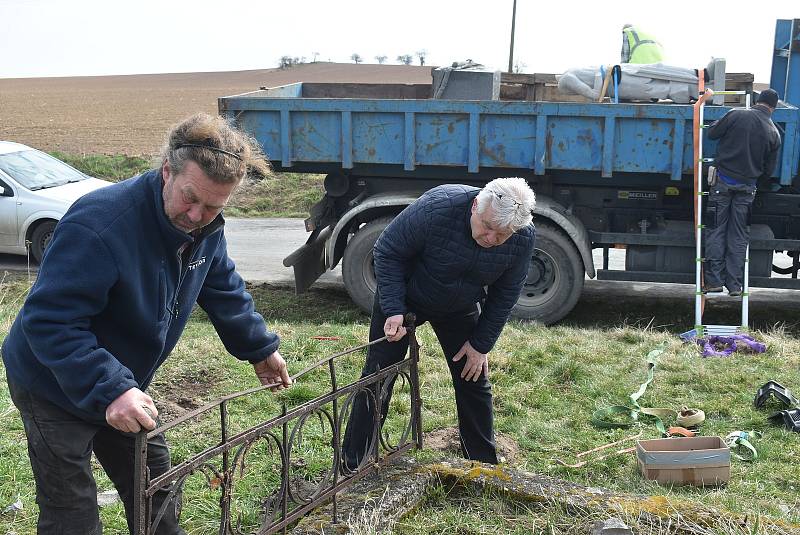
(785,77)
(336,133)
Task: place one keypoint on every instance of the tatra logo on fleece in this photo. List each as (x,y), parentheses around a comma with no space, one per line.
(197,263)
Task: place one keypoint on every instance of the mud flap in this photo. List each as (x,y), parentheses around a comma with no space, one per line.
(308,261)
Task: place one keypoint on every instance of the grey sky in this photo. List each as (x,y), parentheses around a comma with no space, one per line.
(89,37)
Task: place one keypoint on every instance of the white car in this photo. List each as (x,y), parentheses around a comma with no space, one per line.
(35,192)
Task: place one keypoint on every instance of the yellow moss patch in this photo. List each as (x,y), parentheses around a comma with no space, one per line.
(475,471)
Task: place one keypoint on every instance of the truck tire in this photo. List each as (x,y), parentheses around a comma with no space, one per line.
(358,271)
(40,239)
(555,278)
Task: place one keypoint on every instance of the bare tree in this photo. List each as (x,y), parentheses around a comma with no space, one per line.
(315,56)
(405,59)
(380,59)
(421,55)
(287,62)
(356,57)
(519,67)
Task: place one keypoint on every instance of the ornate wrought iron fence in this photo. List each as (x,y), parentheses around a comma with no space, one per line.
(223,465)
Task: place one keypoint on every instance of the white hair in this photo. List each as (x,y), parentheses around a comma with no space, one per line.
(512,202)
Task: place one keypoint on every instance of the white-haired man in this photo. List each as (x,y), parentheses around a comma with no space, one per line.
(458,258)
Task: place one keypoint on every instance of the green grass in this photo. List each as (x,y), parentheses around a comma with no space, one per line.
(547,382)
(281,195)
(109,167)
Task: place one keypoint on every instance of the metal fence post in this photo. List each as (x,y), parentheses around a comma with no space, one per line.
(141,509)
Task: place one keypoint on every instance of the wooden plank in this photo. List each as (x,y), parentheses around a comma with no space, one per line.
(738,81)
(739,77)
(547,93)
(357,90)
(516,78)
(513,92)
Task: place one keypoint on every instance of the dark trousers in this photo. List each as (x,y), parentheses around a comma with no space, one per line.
(728,232)
(473,398)
(60,447)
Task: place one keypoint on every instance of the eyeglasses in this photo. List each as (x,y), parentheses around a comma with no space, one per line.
(500,196)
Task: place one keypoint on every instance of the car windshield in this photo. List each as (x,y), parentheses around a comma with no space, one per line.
(36,170)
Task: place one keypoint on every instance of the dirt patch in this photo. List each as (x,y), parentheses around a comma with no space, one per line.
(447,441)
(132,114)
(183,393)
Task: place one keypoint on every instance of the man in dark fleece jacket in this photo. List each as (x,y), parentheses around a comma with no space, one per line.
(115,290)
(748,149)
(437,259)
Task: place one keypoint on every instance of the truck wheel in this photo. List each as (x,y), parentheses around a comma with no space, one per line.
(555,278)
(358,270)
(40,239)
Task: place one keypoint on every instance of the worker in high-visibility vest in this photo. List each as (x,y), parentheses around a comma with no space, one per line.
(640,47)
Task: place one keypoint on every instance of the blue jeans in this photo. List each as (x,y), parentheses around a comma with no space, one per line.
(60,447)
(727,233)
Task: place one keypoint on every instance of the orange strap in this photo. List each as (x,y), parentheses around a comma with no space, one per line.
(682,431)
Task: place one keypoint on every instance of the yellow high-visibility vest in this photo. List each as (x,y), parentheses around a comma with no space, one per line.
(643,47)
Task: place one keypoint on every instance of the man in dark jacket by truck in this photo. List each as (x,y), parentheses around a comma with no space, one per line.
(115,290)
(748,149)
(435,259)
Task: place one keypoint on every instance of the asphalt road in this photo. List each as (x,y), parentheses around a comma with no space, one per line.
(258,246)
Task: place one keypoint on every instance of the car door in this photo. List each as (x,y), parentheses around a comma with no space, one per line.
(9,229)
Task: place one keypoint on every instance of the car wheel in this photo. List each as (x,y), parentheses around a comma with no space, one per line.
(40,239)
(358,269)
(555,278)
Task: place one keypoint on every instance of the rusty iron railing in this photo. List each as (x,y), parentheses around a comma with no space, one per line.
(222,463)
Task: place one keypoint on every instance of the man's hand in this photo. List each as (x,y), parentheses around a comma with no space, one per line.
(273,370)
(131,411)
(393,328)
(476,364)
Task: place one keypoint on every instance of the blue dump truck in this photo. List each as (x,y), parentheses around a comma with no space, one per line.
(606,175)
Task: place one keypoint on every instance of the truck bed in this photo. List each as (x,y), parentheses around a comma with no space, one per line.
(396,130)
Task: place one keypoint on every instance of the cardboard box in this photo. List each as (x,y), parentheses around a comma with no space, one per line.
(700,461)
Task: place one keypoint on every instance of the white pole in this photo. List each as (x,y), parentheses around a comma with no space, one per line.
(698,309)
(746,284)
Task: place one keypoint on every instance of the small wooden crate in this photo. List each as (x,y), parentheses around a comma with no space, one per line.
(699,461)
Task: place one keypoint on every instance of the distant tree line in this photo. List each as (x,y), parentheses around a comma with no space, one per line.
(287,62)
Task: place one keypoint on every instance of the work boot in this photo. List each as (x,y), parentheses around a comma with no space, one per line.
(708,289)
(736,292)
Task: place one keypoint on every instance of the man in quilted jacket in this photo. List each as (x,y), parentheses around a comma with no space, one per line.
(458,258)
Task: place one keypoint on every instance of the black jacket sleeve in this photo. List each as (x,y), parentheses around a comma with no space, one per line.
(720,127)
(394,253)
(771,157)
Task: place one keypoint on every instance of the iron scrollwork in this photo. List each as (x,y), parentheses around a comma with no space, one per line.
(282,440)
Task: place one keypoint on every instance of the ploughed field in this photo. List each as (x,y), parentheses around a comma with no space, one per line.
(131,114)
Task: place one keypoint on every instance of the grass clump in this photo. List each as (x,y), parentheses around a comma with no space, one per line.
(114,168)
(281,195)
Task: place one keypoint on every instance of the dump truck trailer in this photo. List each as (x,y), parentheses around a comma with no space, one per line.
(606,175)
